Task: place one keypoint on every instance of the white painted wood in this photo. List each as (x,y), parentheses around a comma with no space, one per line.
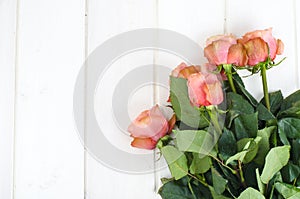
(242,18)
(49,158)
(107,19)
(49,155)
(7,79)
(195,19)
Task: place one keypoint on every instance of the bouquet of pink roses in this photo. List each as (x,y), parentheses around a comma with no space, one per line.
(221,142)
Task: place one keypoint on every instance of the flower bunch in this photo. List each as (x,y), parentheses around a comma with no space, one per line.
(221,142)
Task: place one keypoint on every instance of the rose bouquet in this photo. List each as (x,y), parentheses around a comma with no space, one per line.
(221,142)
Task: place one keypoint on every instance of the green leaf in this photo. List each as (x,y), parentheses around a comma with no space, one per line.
(200,165)
(287,191)
(295,151)
(290,172)
(241,90)
(251,150)
(293,111)
(276,99)
(249,173)
(263,145)
(238,104)
(219,182)
(215,195)
(176,160)
(175,190)
(246,126)
(182,106)
(247,153)
(251,193)
(290,101)
(271,185)
(261,186)
(227,139)
(276,159)
(290,127)
(263,113)
(197,141)
(283,137)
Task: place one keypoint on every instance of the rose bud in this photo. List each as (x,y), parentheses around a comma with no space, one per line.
(184,71)
(205,89)
(217,48)
(149,127)
(275,46)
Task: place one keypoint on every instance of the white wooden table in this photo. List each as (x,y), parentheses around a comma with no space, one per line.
(42,47)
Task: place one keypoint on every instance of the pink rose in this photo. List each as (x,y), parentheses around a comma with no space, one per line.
(257,51)
(217,48)
(204,89)
(237,55)
(149,127)
(184,71)
(275,46)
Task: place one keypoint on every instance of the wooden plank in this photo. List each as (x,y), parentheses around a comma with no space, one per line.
(7,87)
(49,156)
(242,18)
(105,20)
(194,19)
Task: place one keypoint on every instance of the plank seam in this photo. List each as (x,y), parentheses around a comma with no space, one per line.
(16,65)
(86,50)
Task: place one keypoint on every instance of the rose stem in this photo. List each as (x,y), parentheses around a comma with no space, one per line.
(265,85)
(228,71)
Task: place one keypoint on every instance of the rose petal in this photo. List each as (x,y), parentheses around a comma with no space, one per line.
(216,53)
(171,123)
(176,71)
(280,47)
(197,90)
(151,123)
(257,51)
(237,55)
(144,143)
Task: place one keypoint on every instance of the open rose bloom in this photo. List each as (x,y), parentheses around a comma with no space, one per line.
(149,127)
(224,49)
(253,48)
(261,44)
